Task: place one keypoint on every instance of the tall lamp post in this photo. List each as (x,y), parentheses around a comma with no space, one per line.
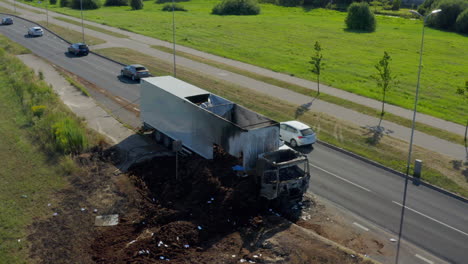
(412,128)
(173,35)
(82,25)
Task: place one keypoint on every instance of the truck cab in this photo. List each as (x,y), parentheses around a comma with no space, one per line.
(283,174)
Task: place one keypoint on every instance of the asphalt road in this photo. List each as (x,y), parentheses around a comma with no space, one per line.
(433,221)
(103,73)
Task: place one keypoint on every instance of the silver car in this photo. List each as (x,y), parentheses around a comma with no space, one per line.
(35,32)
(297,133)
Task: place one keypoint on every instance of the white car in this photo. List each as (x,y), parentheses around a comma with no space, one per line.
(35,32)
(297,133)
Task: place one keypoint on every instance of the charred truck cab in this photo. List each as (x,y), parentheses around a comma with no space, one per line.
(283,174)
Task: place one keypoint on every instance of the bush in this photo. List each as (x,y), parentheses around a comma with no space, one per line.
(237,7)
(116,3)
(396,5)
(360,17)
(53,2)
(136,4)
(168,7)
(169,1)
(447,17)
(69,136)
(38,110)
(65,3)
(461,25)
(87,4)
(290,2)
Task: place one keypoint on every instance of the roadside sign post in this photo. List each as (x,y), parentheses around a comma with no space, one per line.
(176,147)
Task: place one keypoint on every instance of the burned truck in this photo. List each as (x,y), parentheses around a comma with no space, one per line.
(178,111)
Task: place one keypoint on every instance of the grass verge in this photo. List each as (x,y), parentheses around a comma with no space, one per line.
(108,32)
(8,11)
(440,133)
(72,35)
(388,151)
(33,151)
(73,81)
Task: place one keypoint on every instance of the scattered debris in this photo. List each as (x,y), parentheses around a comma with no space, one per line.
(49,204)
(106,220)
(199,228)
(55,214)
(24,196)
(83,209)
(186,246)
(392,240)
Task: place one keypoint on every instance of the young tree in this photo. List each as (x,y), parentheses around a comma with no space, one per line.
(136,4)
(384,77)
(317,64)
(464,93)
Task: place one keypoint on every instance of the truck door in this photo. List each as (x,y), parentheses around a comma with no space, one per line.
(269,184)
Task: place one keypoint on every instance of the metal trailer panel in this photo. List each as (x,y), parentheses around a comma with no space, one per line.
(179,110)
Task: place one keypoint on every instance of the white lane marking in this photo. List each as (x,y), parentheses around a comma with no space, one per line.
(435,220)
(341,178)
(424,259)
(361,226)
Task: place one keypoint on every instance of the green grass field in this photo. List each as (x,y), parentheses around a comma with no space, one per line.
(282,39)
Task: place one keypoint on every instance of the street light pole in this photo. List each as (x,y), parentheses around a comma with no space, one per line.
(408,164)
(173,35)
(82,25)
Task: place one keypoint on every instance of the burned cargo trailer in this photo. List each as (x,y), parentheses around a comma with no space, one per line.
(177,110)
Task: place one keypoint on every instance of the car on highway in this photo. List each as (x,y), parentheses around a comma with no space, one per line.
(7,21)
(135,72)
(78,49)
(35,32)
(297,134)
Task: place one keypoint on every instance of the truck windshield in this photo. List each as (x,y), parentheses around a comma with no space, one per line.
(292,172)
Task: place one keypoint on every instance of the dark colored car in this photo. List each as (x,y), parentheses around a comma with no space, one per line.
(7,21)
(78,49)
(135,72)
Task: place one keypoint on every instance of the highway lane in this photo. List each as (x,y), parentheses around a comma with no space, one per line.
(101,72)
(434,221)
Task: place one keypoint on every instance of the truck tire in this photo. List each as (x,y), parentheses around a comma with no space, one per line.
(158,136)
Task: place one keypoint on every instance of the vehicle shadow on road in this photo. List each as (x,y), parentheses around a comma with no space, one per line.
(305,149)
(126,80)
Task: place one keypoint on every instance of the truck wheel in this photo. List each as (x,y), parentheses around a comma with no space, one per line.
(167,141)
(293,143)
(158,136)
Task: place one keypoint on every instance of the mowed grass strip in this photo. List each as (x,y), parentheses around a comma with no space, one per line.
(440,133)
(282,39)
(391,152)
(72,35)
(105,31)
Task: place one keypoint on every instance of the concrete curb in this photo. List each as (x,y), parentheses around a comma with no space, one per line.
(398,173)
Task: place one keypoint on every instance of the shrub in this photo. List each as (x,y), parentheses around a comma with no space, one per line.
(38,110)
(69,136)
(53,2)
(116,3)
(87,4)
(65,3)
(136,4)
(396,5)
(289,2)
(169,1)
(169,7)
(447,17)
(237,7)
(461,25)
(360,17)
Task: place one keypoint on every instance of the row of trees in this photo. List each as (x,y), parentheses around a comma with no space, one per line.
(453,17)
(95,4)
